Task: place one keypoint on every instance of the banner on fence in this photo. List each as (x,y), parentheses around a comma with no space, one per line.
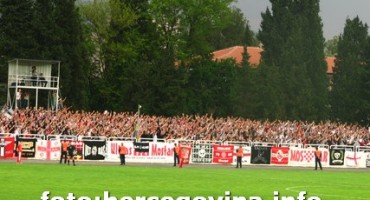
(223,153)
(158,152)
(280,155)
(48,149)
(368,160)
(6,147)
(28,147)
(141,146)
(201,153)
(355,159)
(306,156)
(94,150)
(337,156)
(186,153)
(261,155)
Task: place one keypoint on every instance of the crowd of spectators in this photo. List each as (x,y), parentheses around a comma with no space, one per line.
(188,127)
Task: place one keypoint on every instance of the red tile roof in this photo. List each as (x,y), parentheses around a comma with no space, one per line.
(236,52)
(330,61)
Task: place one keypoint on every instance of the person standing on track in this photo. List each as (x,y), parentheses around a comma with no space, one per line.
(71,152)
(176,158)
(318,158)
(239,156)
(181,156)
(19,150)
(122,153)
(64,147)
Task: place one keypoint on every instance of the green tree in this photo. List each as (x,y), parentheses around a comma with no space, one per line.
(291,34)
(96,17)
(314,61)
(209,87)
(132,58)
(246,91)
(199,20)
(16,33)
(233,32)
(45,30)
(350,81)
(331,46)
(70,50)
(151,46)
(366,82)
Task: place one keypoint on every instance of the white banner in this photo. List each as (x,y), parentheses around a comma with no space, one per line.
(306,157)
(355,159)
(48,149)
(158,152)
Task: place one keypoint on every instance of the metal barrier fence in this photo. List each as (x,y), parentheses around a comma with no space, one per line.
(345,147)
(363,149)
(37,136)
(185,141)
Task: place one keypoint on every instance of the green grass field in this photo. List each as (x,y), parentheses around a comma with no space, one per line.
(29,181)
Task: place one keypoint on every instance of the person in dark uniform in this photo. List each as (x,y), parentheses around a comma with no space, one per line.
(71,153)
(176,158)
(122,154)
(317,158)
(63,154)
(239,156)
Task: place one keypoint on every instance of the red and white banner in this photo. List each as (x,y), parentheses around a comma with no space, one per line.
(280,155)
(48,149)
(6,147)
(185,153)
(306,157)
(158,152)
(223,153)
(355,159)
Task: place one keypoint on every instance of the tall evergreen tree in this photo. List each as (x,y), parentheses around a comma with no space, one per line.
(350,80)
(45,30)
(209,87)
(69,49)
(291,34)
(247,88)
(16,33)
(366,82)
(313,59)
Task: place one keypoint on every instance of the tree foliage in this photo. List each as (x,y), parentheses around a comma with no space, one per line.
(116,54)
(16,33)
(291,34)
(350,80)
(331,46)
(49,30)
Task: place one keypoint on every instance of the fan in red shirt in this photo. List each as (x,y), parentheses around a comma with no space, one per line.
(19,150)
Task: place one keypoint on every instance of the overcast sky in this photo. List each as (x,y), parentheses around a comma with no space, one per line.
(333,13)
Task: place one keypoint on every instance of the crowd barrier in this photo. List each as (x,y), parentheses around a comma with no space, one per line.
(199,151)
